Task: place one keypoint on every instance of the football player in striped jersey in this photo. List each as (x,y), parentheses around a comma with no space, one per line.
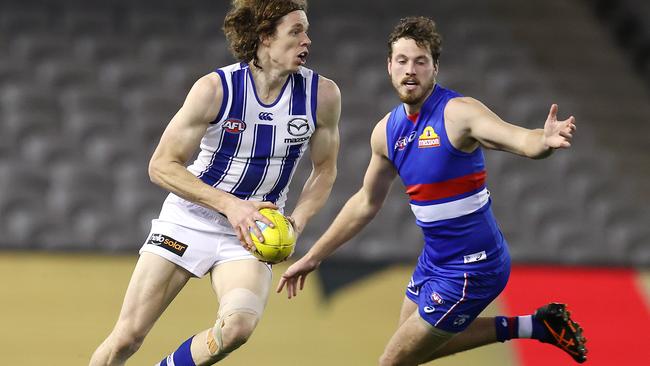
(252,121)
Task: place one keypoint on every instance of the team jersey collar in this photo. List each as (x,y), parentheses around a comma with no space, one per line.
(427,106)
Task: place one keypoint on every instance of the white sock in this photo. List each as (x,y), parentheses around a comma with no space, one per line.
(525,326)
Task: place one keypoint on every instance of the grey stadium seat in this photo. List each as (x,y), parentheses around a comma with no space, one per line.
(63,74)
(34,49)
(90,22)
(25,21)
(28,98)
(44,150)
(161,51)
(18,125)
(103,50)
(111,150)
(13,73)
(21,204)
(150,23)
(76,188)
(127,75)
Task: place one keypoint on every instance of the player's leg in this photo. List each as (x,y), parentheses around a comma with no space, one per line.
(480,332)
(442,304)
(549,324)
(409,332)
(154,284)
(413,342)
(408,308)
(415,337)
(242,287)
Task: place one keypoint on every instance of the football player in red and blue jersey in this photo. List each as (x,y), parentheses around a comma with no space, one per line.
(433,140)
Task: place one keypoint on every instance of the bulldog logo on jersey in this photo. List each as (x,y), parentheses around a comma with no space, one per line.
(233,125)
(428,138)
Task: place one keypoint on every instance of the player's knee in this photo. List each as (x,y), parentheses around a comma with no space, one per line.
(126,343)
(237,330)
(386,360)
(239,312)
(394,359)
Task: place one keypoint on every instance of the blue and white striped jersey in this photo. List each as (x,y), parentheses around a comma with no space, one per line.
(252,149)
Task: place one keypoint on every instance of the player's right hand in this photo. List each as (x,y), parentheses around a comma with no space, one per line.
(294,277)
(242,215)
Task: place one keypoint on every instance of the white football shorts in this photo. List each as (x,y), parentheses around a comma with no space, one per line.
(193,237)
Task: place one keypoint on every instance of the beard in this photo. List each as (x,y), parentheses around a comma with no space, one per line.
(415,96)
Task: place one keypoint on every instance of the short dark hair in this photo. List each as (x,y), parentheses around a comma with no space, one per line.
(420,29)
(248,20)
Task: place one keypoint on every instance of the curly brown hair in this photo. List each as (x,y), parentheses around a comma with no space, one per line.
(250,20)
(420,29)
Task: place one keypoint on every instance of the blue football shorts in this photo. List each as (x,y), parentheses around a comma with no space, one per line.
(451,300)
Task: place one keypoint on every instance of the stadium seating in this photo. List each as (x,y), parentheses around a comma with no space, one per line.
(86,90)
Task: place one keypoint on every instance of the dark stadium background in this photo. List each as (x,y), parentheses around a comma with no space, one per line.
(86,88)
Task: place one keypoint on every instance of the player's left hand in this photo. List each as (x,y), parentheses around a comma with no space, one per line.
(558,134)
(294,277)
(296,229)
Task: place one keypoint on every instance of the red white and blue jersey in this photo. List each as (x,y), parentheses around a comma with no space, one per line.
(252,149)
(447,189)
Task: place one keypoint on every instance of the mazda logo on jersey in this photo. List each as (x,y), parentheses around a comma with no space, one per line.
(298,127)
(265,116)
(234,125)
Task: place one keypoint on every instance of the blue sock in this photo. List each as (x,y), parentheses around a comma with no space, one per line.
(519,327)
(539,330)
(181,357)
(507,328)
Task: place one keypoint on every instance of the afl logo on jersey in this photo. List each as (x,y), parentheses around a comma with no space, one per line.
(234,125)
(435,297)
(402,141)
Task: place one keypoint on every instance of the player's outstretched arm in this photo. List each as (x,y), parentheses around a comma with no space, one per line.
(471,122)
(177,144)
(324,148)
(355,214)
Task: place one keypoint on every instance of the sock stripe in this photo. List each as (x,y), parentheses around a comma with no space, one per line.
(181,357)
(513,327)
(525,326)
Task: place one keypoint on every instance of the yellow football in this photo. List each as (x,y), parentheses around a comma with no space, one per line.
(279,241)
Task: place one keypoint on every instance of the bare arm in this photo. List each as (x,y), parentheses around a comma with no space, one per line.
(470,123)
(363,206)
(179,141)
(177,144)
(324,147)
(357,213)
